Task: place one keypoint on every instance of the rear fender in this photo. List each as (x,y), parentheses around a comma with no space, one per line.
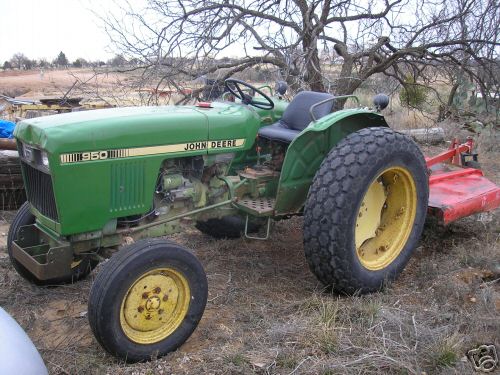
(309,148)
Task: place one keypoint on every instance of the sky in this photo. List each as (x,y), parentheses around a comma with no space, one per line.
(43,28)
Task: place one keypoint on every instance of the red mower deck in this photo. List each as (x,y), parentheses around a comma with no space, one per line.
(459,192)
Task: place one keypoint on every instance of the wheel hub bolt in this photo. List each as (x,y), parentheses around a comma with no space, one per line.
(153,303)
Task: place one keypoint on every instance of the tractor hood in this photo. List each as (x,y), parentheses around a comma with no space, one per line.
(128,127)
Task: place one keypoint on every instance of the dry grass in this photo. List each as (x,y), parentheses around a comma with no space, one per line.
(267,314)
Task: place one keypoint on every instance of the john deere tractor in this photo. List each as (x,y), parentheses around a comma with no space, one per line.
(111,179)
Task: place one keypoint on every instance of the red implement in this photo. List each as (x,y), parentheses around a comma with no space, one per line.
(454,194)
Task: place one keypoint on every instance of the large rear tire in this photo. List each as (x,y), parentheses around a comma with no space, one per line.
(365,210)
(147,300)
(80,268)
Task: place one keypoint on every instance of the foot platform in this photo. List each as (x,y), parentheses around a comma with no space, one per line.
(259,207)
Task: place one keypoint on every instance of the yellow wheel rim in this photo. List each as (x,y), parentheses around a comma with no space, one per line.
(385,218)
(155,306)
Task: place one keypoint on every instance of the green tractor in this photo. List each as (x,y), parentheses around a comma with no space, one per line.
(116,178)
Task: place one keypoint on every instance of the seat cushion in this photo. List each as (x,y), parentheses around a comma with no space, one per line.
(278,132)
(297,115)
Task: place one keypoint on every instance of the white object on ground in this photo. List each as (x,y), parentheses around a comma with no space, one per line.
(18,355)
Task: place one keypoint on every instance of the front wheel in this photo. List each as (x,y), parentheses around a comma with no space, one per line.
(365,210)
(80,267)
(147,300)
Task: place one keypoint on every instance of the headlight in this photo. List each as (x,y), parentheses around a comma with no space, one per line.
(45,159)
(28,153)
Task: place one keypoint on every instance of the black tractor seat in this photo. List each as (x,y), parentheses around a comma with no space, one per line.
(296,116)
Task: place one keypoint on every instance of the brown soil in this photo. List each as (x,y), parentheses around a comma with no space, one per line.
(267,314)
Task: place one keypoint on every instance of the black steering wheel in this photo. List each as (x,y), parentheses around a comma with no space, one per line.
(246,98)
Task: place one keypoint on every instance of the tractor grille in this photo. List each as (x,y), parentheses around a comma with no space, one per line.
(39,191)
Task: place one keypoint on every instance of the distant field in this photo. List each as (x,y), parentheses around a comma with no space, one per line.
(34,83)
(103,85)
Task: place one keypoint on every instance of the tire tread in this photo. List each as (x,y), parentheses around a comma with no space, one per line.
(326,224)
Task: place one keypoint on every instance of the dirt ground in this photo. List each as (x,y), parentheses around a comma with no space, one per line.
(267,314)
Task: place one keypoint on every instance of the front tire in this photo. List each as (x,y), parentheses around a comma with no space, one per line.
(80,267)
(365,210)
(147,300)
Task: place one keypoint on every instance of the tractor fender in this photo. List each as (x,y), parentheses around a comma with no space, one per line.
(310,147)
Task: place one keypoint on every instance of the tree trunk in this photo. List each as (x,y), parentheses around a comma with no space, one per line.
(347,85)
(453,91)
(312,64)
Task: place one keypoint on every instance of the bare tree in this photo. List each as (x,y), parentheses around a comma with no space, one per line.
(364,37)
(20,61)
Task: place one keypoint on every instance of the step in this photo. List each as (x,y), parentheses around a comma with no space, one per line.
(262,206)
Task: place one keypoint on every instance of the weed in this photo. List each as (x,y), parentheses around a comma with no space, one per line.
(328,313)
(445,352)
(287,359)
(237,359)
(328,341)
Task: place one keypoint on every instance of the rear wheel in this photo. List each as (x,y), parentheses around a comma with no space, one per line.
(147,300)
(79,268)
(365,210)
(227,227)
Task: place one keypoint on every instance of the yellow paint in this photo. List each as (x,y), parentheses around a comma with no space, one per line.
(155,306)
(369,213)
(385,218)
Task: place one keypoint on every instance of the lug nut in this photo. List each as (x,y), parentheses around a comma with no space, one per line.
(165,298)
(145,295)
(140,309)
(157,290)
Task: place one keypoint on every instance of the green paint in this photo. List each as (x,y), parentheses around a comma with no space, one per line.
(307,151)
(91,195)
